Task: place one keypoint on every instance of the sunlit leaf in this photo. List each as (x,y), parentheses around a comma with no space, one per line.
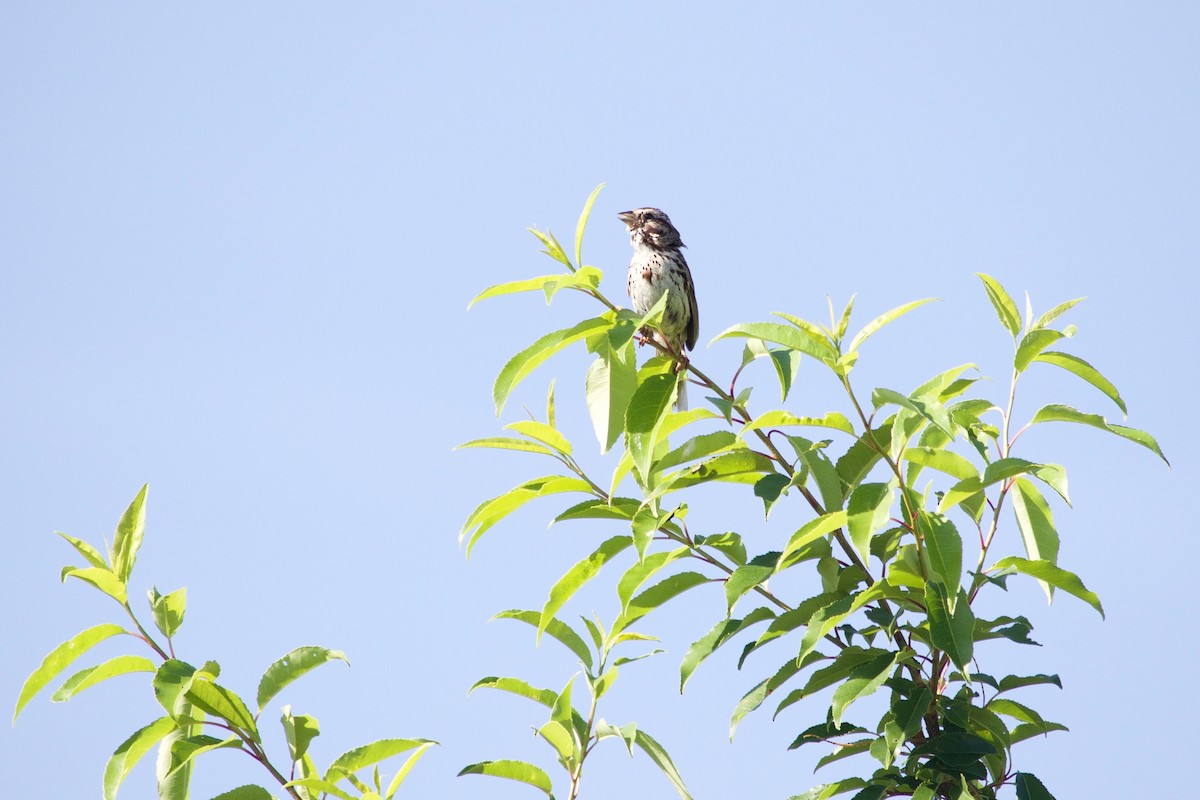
(520,771)
(659,756)
(62,657)
(131,751)
(1055,576)
(128,538)
(797,339)
(1006,309)
(84,679)
(524,362)
(579,574)
(1077,366)
(883,319)
(292,666)
(581,226)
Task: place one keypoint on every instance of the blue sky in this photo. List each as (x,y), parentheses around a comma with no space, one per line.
(239,242)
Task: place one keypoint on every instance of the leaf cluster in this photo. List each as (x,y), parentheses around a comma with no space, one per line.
(200,714)
(907,492)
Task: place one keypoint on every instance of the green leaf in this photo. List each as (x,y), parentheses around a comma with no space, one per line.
(128,538)
(863,682)
(883,319)
(1036,523)
(801,340)
(642,571)
(697,447)
(1059,578)
(1002,470)
(291,667)
(659,756)
(811,531)
(102,578)
(746,577)
(299,730)
(85,679)
(946,461)
(521,771)
(579,574)
(1030,788)
(556,628)
(610,385)
(524,362)
(779,419)
(868,512)
(1010,682)
(489,512)
(1056,412)
(352,761)
(721,633)
(316,786)
(1006,309)
(185,750)
(249,791)
(658,594)
(559,737)
(1056,312)
(827,790)
(224,703)
(168,610)
(406,768)
(929,407)
(543,433)
(1032,344)
(62,657)
(581,226)
(125,757)
(547,697)
(647,408)
(949,631)
(943,549)
(1077,366)
(93,556)
(553,248)
(513,287)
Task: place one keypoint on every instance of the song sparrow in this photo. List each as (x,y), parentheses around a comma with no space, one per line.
(658,265)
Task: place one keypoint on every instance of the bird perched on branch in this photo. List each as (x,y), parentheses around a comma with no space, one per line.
(658,265)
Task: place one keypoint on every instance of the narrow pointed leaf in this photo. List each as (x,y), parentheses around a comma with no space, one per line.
(130,752)
(779,419)
(128,538)
(579,574)
(943,548)
(1032,344)
(868,511)
(292,666)
(883,319)
(352,761)
(520,771)
(951,632)
(406,768)
(1006,309)
(810,532)
(798,339)
(62,657)
(660,757)
(1077,366)
(649,404)
(1036,524)
(513,287)
(721,633)
(1056,312)
(556,628)
(94,556)
(524,362)
(102,578)
(84,679)
(581,226)
(1057,577)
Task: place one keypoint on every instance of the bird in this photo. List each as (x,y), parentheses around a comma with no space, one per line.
(657,266)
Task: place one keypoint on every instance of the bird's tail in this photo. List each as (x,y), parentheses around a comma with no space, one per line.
(681,401)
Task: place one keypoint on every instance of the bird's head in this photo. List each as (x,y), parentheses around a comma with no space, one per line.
(651,228)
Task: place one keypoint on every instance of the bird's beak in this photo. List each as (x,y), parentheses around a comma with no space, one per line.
(627,217)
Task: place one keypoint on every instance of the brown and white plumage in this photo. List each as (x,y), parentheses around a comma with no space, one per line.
(658,265)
